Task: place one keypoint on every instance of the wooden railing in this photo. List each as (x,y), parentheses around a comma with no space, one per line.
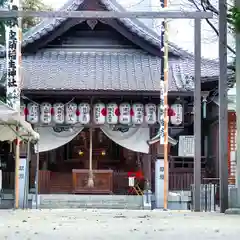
(44,182)
(8,180)
(177,181)
(180,181)
(120,182)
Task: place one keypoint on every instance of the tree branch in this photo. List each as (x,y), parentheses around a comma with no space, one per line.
(207,6)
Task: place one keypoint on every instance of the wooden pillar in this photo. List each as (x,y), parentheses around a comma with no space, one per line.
(147,169)
(232,126)
(33,165)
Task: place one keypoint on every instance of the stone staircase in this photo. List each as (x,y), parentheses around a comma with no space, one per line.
(62,201)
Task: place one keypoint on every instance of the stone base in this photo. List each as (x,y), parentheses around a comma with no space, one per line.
(233,198)
(233,211)
(147,200)
(66,201)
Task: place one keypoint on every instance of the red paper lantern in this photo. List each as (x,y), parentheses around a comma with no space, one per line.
(104,112)
(26,112)
(77,112)
(171,112)
(52,111)
(117,112)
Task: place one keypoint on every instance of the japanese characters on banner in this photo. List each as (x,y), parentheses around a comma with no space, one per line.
(111,113)
(13,58)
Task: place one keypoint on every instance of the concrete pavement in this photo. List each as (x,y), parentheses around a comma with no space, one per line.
(116,224)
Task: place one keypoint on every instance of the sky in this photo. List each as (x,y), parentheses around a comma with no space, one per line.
(181,32)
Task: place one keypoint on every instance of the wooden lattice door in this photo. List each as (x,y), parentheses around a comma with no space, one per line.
(232,127)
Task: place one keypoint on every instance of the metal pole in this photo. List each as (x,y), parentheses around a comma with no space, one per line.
(166,170)
(223,102)
(27,173)
(37,177)
(197,117)
(237,3)
(90,177)
(17,159)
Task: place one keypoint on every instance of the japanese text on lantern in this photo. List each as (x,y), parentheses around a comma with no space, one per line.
(33,113)
(71,113)
(112,113)
(84,113)
(138,113)
(58,113)
(46,113)
(150,111)
(125,117)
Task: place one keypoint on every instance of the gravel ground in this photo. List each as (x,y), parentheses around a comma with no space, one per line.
(116,224)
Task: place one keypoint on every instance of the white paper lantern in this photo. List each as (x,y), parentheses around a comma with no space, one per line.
(150,113)
(99,113)
(33,113)
(22,111)
(138,113)
(112,113)
(84,113)
(125,113)
(58,113)
(71,115)
(160,114)
(177,119)
(45,113)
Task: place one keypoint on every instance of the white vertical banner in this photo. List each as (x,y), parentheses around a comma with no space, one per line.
(13,37)
(22,181)
(13,58)
(159,183)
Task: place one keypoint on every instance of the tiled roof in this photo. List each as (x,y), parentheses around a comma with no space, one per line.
(134,25)
(122,70)
(95,69)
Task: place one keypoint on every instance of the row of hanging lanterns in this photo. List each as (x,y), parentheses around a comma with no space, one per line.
(112,113)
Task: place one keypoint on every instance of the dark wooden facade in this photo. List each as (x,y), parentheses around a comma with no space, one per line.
(89,36)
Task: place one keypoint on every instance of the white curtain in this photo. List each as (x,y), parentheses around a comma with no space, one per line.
(135,139)
(52,138)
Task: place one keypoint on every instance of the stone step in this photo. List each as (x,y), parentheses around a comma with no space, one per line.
(90,205)
(91,201)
